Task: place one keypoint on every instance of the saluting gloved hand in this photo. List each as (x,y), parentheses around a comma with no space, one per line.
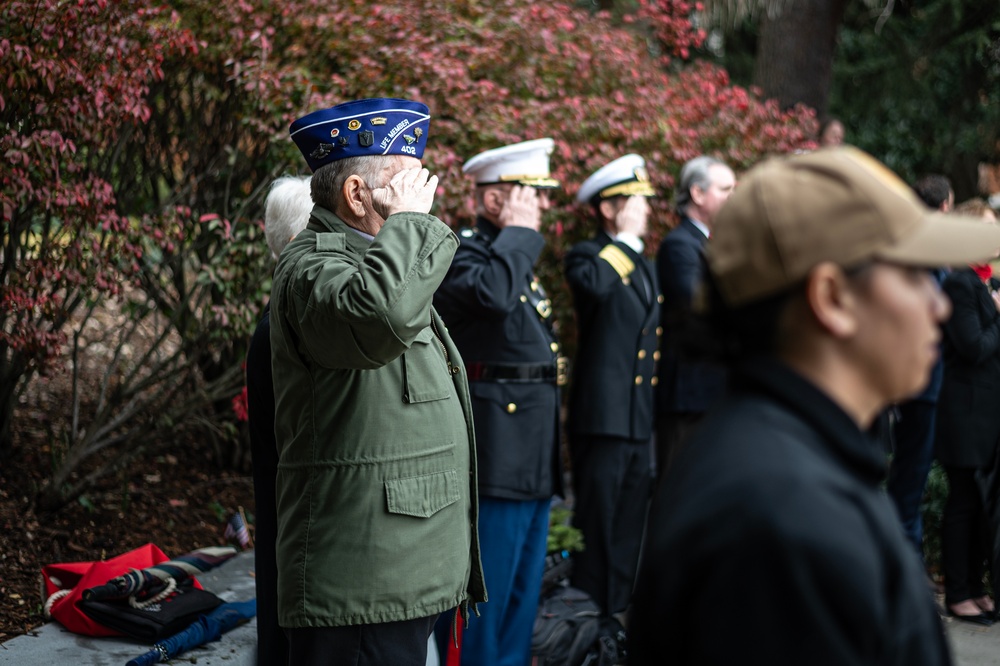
(409,191)
(632,217)
(521,209)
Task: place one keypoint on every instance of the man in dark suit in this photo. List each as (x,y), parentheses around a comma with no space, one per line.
(687,388)
(616,298)
(500,319)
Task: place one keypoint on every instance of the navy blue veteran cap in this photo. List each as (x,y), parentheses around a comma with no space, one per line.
(378,126)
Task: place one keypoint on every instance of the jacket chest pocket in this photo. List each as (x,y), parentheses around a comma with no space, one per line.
(425,370)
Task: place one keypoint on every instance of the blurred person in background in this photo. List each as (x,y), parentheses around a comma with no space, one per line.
(831,133)
(968,429)
(610,416)
(913,435)
(687,388)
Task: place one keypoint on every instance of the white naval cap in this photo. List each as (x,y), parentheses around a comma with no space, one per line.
(624,177)
(525,163)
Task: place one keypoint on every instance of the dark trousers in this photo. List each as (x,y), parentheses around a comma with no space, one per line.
(612,485)
(272,646)
(402,643)
(964,548)
(671,432)
(911,464)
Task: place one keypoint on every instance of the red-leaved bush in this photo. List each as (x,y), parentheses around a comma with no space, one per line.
(138,144)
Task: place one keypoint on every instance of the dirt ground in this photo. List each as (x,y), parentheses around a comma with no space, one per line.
(176,499)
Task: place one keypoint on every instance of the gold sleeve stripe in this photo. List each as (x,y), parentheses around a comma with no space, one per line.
(618,260)
(631,188)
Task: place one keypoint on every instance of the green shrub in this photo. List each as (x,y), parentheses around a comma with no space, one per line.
(932,509)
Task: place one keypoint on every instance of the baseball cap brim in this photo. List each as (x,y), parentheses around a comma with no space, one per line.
(944,239)
(834,205)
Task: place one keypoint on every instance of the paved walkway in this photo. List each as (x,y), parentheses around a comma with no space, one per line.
(972,645)
(51,645)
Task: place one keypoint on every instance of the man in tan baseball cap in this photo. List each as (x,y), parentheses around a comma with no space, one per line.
(819,293)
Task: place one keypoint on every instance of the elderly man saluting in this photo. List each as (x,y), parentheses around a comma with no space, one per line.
(376,484)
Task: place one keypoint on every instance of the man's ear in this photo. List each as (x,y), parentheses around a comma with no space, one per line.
(608,209)
(697,195)
(493,200)
(831,300)
(353,195)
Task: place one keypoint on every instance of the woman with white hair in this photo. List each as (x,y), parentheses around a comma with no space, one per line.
(286,213)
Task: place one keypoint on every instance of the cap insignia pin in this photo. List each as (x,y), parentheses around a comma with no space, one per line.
(418,132)
(334,132)
(366,138)
(322,150)
(380,120)
(354,124)
(409,139)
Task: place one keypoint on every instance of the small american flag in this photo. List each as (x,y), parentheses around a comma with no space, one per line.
(236,530)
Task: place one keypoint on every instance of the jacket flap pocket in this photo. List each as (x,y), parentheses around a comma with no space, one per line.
(422,496)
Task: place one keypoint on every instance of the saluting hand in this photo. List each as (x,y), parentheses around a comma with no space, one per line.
(521,209)
(409,191)
(633,216)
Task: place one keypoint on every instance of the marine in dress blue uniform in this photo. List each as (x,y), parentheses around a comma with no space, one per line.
(610,424)
(500,318)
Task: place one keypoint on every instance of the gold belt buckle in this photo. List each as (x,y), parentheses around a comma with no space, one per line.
(562,371)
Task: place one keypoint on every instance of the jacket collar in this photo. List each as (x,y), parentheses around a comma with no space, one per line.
(854,448)
(689,225)
(324,221)
(487,228)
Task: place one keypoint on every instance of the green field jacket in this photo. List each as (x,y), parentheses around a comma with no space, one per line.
(376,483)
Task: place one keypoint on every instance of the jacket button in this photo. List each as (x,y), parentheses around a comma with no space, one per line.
(626,281)
(511,408)
(554,346)
(642,354)
(654,381)
(659,298)
(638,380)
(524,299)
(656,356)
(659,330)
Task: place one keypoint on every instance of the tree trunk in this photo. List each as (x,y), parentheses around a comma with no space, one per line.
(12,370)
(795,52)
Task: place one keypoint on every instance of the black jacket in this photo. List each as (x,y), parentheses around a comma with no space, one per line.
(611,392)
(491,304)
(684,385)
(968,417)
(771,542)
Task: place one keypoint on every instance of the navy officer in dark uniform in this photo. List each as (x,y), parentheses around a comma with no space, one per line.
(616,298)
(500,318)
